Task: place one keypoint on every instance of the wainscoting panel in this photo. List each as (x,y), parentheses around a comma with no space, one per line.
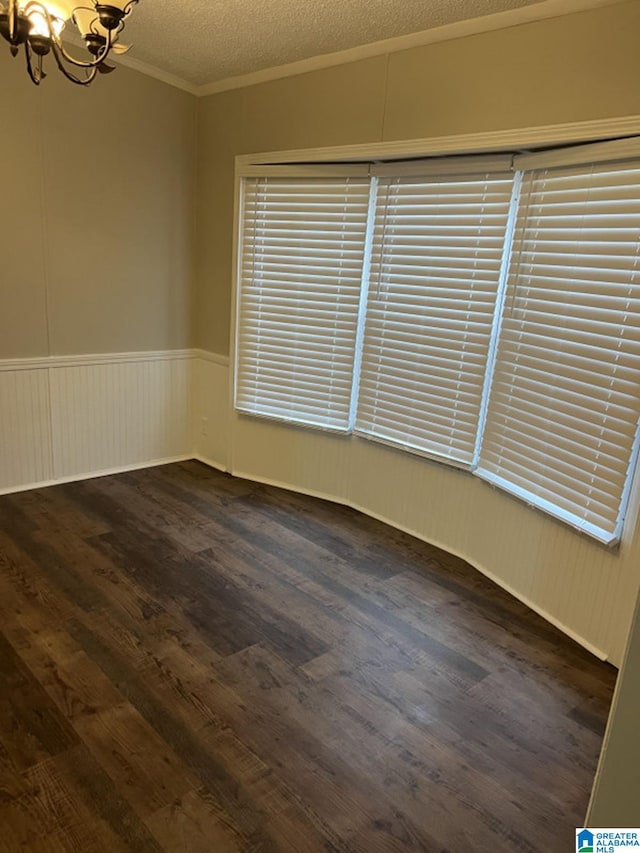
(315,462)
(210,413)
(68,417)
(25,429)
(116,415)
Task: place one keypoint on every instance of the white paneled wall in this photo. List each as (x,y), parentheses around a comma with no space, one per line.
(115,415)
(25,427)
(71,417)
(210,409)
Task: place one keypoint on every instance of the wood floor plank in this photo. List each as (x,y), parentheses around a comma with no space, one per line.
(77,687)
(48,815)
(193,662)
(22,580)
(31,727)
(329,570)
(261,678)
(71,825)
(119,820)
(208,599)
(315,568)
(48,510)
(192,748)
(192,824)
(133,755)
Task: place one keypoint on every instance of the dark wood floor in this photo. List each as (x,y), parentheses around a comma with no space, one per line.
(190,662)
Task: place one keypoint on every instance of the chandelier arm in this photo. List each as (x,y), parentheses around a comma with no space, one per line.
(129,7)
(12,12)
(91,72)
(35,78)
(105,50)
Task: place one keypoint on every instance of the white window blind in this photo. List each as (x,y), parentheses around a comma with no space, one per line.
(565,400)
(302,247)
(438,243)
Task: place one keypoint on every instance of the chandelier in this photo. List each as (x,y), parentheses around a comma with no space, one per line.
(37,25)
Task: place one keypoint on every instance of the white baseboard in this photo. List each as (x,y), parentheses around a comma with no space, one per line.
(219,466)
(118,469)
(492,577)
(92,475)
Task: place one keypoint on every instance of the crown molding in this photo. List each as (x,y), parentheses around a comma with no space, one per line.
(156,73)
(73,38)
(448,32)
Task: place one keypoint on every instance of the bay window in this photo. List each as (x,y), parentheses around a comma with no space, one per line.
(483,311)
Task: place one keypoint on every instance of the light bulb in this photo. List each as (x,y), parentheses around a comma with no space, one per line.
(40,25)
(59,11)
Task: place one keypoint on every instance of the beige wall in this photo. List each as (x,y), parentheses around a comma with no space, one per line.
(97,220)
(574,68)
(108,172)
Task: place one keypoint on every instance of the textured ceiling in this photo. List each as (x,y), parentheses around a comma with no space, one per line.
(202,42)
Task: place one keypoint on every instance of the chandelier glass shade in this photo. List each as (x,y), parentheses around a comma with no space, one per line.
(36,26)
